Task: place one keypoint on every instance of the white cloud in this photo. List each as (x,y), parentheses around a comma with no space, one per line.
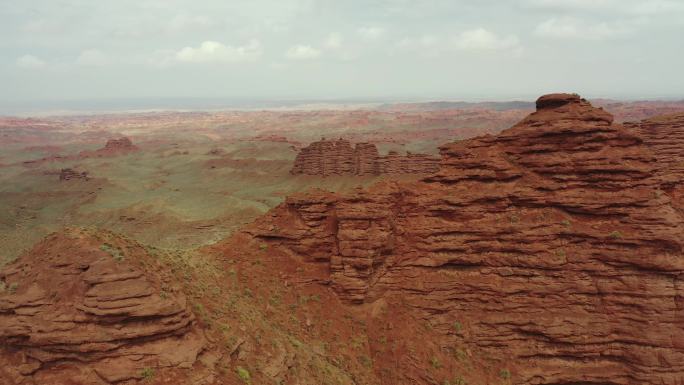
(481,39)
(334,41)
(570,28)
(215,52)
(371,33)
(91,58)
(302,52)
(30,62)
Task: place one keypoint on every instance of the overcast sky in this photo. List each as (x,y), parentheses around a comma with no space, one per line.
(331,49)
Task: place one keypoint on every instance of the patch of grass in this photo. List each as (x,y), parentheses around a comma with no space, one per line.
(113,251)
(9,289)
(435,363)
(243,374)
(263,247)
(458,380)
(304,299)
(457,326)
(365,361)
(505,374)
(460,354)
(147,373)
(615,235)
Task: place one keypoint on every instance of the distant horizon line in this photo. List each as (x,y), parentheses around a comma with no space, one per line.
(113,105)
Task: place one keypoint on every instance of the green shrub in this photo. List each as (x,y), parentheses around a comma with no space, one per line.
(147,373)
(505,374)
(243,374)
(113,251)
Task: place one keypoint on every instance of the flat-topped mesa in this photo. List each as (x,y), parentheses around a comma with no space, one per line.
(551,244)
(567,107)
(113,147)
(76,309)
(337,157)
(66,174)
(121,144)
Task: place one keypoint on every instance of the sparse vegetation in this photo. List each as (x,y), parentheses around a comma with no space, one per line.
(147,373)
(458,380)
(435,363)
(365,361)
(114,251)
(9,289)
(457,326)
(243,374)
(505,374)
(615,235)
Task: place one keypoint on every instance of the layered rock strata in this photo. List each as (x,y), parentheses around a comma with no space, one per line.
(76,311)
(551,246)
(337,157)
(664,135)
(71,174)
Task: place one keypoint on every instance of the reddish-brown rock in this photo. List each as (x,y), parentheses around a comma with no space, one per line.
(664,135)
(549,248)
(337,157)
(119,145)
(113,147)
(75,310)
(71,174)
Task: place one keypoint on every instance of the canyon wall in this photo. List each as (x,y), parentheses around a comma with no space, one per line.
(337,157)
(554,248)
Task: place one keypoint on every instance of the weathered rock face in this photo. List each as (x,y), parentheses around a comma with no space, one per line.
(337,157)
(75,312)
(550,246)
(71,174)
(664,136)
(119,145)
(113,147)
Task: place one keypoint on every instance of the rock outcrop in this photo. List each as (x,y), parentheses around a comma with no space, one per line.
(113,147)
(66,174)
(550,248)
(337,157)
(119,145)
(75,310)
(664,135)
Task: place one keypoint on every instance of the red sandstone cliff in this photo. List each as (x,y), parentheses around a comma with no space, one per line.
(550,249)
(113,147)
(337,157)
(76,311)
(66,174)
(664,135)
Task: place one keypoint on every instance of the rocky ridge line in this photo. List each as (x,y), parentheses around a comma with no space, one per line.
(337,157)
(553,246)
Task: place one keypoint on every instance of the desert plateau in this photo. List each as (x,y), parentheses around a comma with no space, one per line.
(305,192)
